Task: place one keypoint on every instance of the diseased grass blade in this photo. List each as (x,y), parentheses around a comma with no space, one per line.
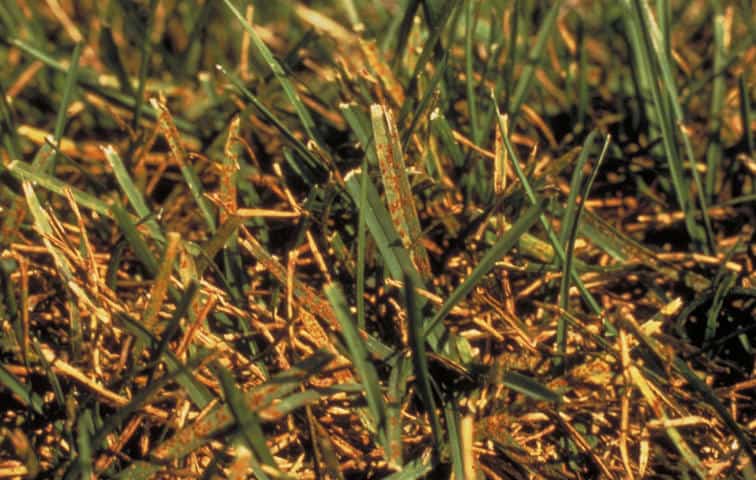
(500,160)
(401,203)
(197,393)
(168,128)
(313,169)
(161,282)
(247,421)
(525,82)
(401,368)
(225,234)
(288,87)
(43,227)
(256,399)
(397,260)
(365,370)
(502,246)
(572,220)
(420,361)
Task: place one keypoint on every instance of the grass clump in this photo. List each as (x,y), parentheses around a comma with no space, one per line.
(417,239)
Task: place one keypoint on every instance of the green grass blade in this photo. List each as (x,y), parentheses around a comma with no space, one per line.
(455,443)
(525,82)
(572,229)
(144,64)
(85,428)
(136,199)
(714,150)
(418,468)
(745,115)
(443,131)
(132,235)
(502,246)
(89,80)
(68,93)
(577,180)
(247,421)
(420,361)
(197,392)
(24,171)
(288,87)
(25,394)
(472,99)
(313,168)
(361,245)
(670,118)
(530,387)
(365,369)
(544,221)
(451,10)
(256,399)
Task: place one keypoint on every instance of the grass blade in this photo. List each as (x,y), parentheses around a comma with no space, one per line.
(365,370)
(304,115)
(502,246)
(571,228)
(399,196)
(525,82)
(420,361)
(60,121)
(171,134)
